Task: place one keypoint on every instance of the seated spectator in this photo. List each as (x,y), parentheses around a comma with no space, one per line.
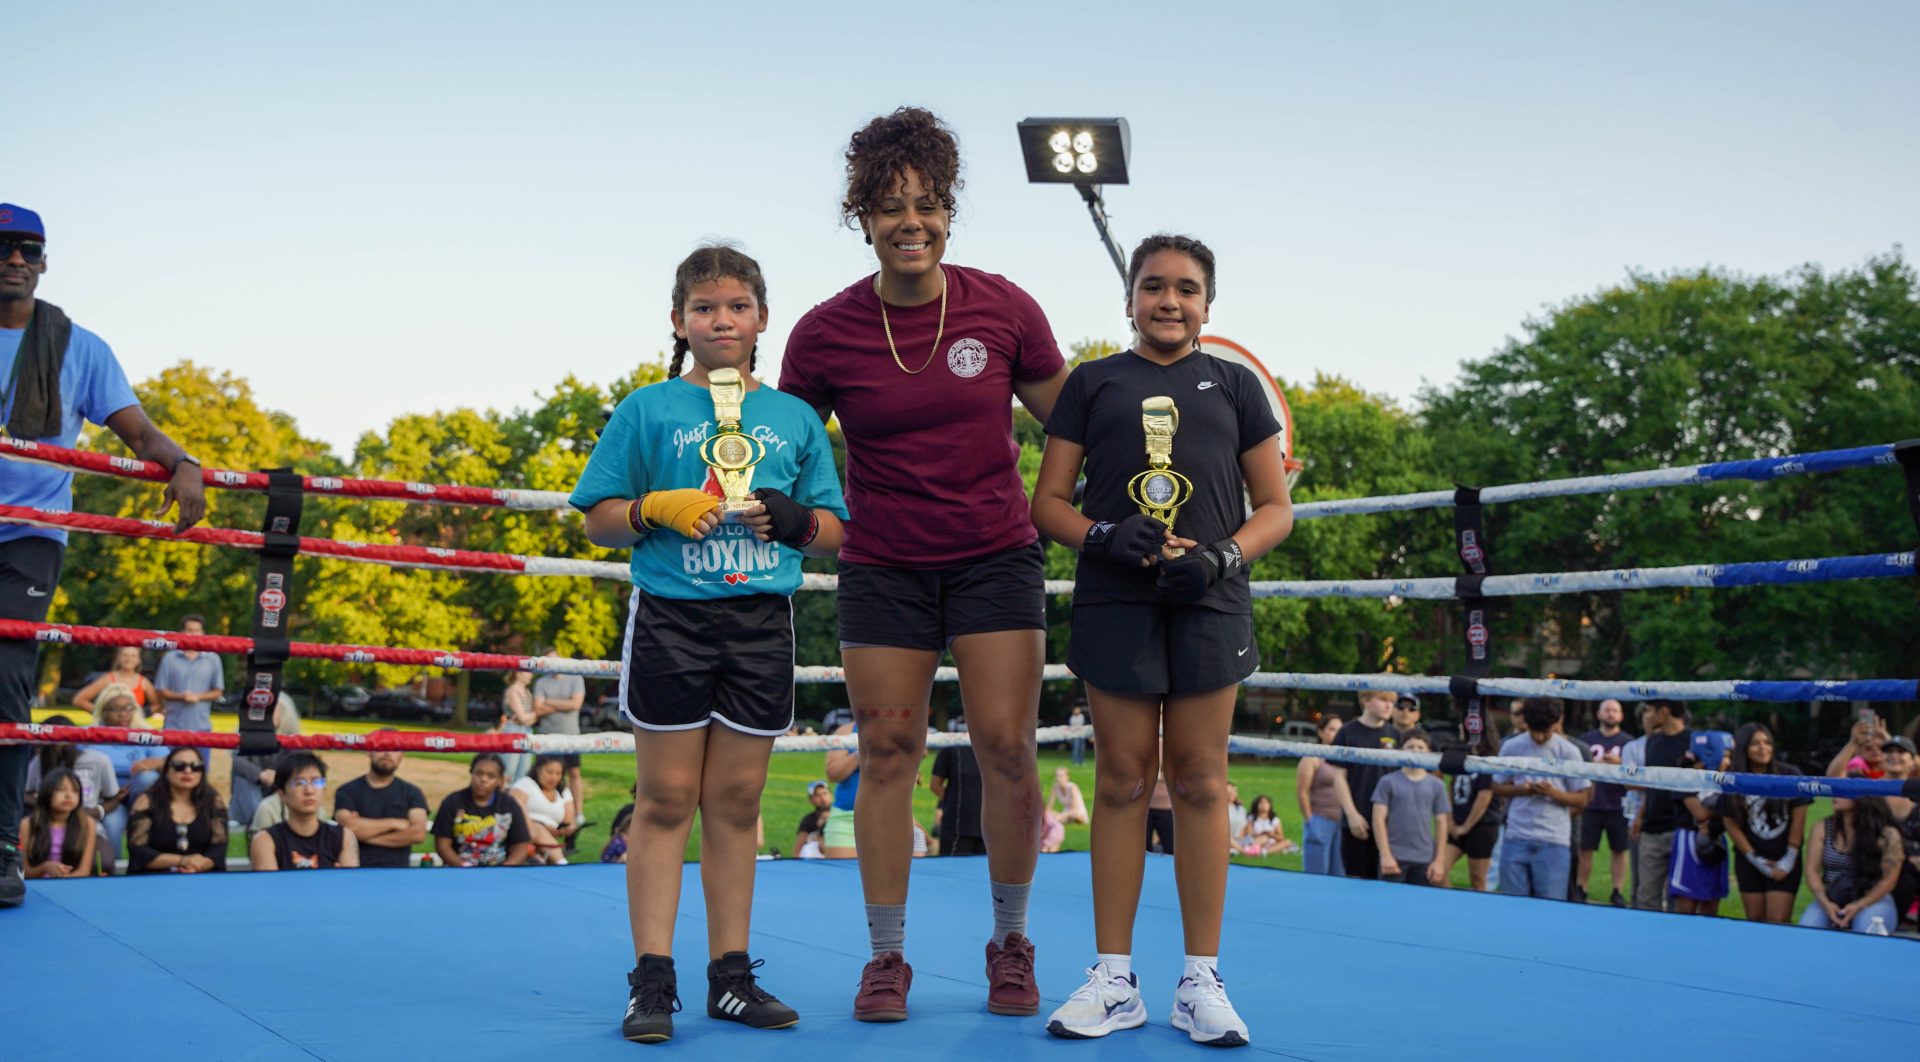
(616,849)
(1262,835)
(1853,880)
(1766,831)
(1535,858)
(552,815)
(921,846)
(386,814)
(180,825)
(135,769)
(56,838)
(304,841)
(1066,798)
(843,772)
(1236,815)
(98,780)
(479,826)
(1410,814)
(806,836)
(253,775)
(1053,832)
(1900,762)
(124,674)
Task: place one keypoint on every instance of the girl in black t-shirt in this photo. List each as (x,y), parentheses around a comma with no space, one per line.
(303,841)
(1162,618)
(1767,832)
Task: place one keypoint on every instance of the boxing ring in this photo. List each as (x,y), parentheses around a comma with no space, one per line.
(521,962)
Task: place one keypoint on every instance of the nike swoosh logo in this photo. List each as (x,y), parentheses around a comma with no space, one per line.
(1204,384)
(1111,1007)
(1243,652)
(31,592)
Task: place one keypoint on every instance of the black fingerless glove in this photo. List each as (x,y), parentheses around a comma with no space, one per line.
(1185,580)
(793,524)
(1128,542)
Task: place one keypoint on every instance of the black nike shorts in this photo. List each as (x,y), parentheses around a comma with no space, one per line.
(688,663)
(915,608)
(1154,648)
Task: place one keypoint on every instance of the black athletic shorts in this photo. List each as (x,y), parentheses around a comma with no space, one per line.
(1611,823)
(926,608)
(1158,649)
(690,662)
(1749,879)
(1478,842)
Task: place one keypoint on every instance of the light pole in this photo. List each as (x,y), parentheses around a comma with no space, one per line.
(1088,153)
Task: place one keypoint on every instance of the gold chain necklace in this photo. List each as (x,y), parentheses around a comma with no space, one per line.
(887,326)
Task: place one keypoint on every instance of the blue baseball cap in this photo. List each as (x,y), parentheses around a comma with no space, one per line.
(1709,746)
(18,219)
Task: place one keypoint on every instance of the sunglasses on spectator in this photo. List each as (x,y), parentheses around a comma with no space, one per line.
(307,783)
(186,766)
(32,252)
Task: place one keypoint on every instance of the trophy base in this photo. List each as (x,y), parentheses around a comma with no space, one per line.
(1173,551)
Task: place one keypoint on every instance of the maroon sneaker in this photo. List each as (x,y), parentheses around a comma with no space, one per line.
(1010,987)
(883,989)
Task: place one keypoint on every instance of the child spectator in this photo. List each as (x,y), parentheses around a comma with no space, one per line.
(1535,859)
(1698,881)
(304,841)
(57,838)
(1263,835)
(1409,812)
(1370,730)
(1236,815)
(1475,829)
(478,826)
(180,825)
(552,815)
(616,847)
(1066,798)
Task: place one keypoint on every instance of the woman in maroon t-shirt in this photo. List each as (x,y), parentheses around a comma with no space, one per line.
(921,362)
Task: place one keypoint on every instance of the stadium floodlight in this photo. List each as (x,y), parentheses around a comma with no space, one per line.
(1087,153)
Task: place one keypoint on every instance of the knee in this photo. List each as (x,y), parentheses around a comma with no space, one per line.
(664,806)
(1202,789)
(890,758)
(1009,756)
(735,805)
(1120,788)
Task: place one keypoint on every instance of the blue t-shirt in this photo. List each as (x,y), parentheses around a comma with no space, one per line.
(92,387)
(653,443)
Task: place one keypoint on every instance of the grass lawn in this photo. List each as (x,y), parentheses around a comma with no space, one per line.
(609,784)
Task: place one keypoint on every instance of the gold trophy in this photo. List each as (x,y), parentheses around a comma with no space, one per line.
(730,452)
(1160,491)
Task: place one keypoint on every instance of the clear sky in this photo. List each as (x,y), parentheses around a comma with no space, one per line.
(370,209)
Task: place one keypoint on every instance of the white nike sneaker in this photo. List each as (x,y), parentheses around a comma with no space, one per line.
(1107,1002)
(1202,1011)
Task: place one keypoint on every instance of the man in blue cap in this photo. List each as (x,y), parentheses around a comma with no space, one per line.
(54,375)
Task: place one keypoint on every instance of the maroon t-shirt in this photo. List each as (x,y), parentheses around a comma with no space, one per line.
(932,468)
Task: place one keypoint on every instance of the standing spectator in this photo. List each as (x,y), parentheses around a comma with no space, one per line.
(1535,860)
(124,673)
(479,826)
(1066,798)
(1263,834)
(1079,741)
(189,681)
(386,814)
(1867,741)
(1160,817)
(135,769)
(957,785)
(806,837)
(60,376)
(1603,815)
(1634,754)
(180,825)
(1860,858)
(1319,785)
(1766,831)
(1370,730)
(1409,815)
(553,816)
(516,717)
(556,708)
(1669,744)
(304,841)
(58,836)
(843,770)
(1698,881)
(1475,828)
(1406,712)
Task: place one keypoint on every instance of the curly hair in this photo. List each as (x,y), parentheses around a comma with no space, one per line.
(714,261)
(887,147)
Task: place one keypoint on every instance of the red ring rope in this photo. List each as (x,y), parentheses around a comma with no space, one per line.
(389,741)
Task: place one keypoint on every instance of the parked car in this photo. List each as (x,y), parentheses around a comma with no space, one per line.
(345,700)
(398,705)
(483,711)
(603,714)
(1298,730)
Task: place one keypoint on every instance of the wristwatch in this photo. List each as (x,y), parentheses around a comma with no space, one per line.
(184,459)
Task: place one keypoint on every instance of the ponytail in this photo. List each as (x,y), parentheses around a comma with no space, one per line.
(713,262)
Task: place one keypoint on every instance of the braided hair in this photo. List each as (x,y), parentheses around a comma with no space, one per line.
(714,261)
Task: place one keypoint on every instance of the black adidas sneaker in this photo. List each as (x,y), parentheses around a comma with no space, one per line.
(655,996)
(733,994)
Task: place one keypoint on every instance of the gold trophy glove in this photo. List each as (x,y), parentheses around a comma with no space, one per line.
(679,510)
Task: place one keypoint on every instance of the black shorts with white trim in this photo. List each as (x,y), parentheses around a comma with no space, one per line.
(687,663)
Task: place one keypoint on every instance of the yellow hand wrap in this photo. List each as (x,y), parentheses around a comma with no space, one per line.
(677,509)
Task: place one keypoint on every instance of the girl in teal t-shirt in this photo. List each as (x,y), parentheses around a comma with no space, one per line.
(709,630)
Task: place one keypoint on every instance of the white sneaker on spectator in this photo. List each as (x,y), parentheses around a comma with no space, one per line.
(1202,1011)
(1107,1002)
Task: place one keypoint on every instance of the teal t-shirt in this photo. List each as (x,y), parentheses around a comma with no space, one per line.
(653,443)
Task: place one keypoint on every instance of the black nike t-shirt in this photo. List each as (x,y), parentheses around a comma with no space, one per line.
(1224,412)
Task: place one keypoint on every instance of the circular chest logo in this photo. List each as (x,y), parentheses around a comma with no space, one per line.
(967,358)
